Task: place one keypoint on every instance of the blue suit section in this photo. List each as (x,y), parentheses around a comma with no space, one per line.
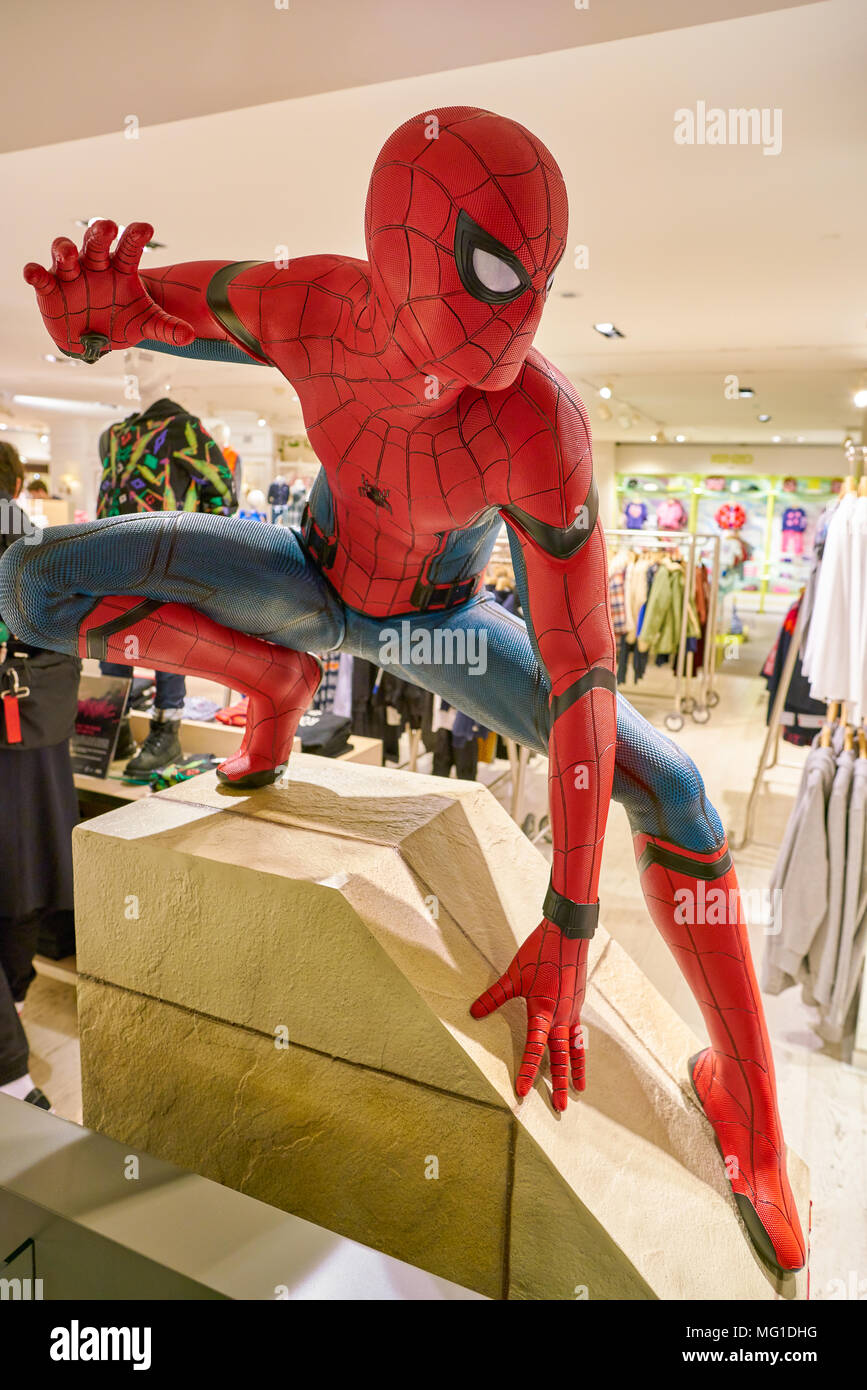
(261,580)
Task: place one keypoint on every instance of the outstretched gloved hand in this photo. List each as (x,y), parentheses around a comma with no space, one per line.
(95,301)
(550,972)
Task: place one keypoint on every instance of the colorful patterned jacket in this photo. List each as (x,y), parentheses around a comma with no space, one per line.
(162,460)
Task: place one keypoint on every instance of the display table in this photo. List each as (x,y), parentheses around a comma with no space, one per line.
(219,739)
(274,992)
(168,1234)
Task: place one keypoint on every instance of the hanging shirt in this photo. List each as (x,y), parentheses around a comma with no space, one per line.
(822,956)
(671,515)
(635,515)
(826,650)
(853,937)
(800,875)
(794,519)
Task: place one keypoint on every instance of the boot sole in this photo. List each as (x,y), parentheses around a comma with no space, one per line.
(252,779)
(750,1217)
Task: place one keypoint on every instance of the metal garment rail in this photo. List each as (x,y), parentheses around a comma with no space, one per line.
(692,542)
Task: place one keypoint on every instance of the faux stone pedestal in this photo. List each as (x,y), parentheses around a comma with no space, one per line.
(274,992)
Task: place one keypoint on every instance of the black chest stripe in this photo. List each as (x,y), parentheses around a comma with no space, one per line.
(561,542)
(217,296)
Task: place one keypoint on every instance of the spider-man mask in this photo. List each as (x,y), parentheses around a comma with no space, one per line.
(465,224)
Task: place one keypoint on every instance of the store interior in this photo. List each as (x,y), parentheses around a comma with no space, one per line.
(710,312)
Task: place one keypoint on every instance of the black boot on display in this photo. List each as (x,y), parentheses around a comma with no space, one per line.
(161,746)
(39,1099)
(125,741)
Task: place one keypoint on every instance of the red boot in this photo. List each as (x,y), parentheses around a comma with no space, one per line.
(171,637)
(695,902)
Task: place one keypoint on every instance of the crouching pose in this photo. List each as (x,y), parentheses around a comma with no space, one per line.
(434,419)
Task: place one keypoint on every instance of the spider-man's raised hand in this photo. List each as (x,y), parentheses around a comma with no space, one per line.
(95,301)
(550,972)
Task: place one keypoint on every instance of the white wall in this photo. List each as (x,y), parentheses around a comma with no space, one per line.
(785,460)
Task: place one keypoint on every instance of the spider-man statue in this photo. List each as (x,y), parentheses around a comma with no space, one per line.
(434,418)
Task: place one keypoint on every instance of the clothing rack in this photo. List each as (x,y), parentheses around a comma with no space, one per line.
(767,757)
(698,706)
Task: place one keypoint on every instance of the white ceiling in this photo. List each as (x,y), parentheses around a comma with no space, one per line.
(712,260)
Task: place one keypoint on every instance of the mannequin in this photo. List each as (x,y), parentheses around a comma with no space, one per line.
(433,417)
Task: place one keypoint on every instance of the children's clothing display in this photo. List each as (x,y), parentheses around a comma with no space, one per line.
(671,515)
(646,596)
(634,515)
(730,517)
(794,525)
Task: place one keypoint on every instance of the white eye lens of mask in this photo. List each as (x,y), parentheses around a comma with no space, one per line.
(549,283)
(493,273)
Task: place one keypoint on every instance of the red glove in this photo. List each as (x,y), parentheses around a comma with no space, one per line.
(95,302)
(550,972)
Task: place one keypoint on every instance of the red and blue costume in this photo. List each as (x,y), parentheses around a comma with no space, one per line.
(434,418)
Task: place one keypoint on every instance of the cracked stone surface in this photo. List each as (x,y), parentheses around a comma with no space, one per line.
(275,992)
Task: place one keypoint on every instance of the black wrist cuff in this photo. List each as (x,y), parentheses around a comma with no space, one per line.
(575,920)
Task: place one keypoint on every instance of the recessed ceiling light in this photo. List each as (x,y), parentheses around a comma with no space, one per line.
(776,439)
(49,357)
(262,422)
(608,330)
(43,439)
(681,438)
(746,391)
(605,392)
(763,419)
(860,398)
(4,427)
(800,439)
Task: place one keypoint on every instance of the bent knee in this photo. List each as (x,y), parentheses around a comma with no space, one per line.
(664,795)
(35,606)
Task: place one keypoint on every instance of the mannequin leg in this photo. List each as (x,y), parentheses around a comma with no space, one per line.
(180,592)
(280,682)
(692,894)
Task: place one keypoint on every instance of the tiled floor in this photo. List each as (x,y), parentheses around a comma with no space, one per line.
(822,1098)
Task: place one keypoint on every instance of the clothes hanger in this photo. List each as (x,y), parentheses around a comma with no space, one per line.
(828,726)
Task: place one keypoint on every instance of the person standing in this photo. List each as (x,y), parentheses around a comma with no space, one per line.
(156,460)
(40,807)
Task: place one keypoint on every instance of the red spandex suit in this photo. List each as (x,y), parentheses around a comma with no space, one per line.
(433,417)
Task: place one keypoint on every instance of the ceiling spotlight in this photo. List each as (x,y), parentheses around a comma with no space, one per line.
(262,422)
(763,419)
(605,392)
(49,357)
(776,439)
(654,439)
(608,330)
(860,398)
(746,391)
(43,439)
(681,438)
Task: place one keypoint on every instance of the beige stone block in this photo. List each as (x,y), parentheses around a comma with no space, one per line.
(345,1146)
(362,910)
